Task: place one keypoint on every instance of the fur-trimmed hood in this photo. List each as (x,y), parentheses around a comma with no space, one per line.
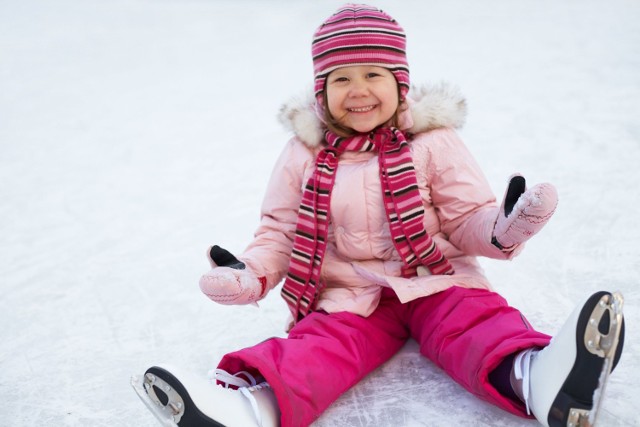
(430,107)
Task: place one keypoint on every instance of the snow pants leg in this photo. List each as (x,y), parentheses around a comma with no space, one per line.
(468,332)
(324,356)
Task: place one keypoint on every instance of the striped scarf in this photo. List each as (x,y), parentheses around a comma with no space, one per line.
(403,206)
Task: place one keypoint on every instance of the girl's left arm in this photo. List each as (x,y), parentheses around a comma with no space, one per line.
(462,197)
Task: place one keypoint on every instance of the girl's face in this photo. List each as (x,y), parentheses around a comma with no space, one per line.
(362,97)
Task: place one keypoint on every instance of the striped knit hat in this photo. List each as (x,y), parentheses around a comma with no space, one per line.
(358,34)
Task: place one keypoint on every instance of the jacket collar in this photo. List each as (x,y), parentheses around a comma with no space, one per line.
(430,107)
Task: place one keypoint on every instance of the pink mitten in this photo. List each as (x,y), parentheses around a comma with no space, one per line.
(523,212)
(229,286)
(229,282)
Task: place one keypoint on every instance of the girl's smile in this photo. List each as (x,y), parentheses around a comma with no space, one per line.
(361,109)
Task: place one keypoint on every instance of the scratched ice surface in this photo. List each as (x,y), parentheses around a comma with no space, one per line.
(134,133)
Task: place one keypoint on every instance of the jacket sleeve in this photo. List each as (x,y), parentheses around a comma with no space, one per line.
(268,254)
(462,197)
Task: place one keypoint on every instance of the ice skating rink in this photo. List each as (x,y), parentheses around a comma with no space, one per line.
(135,133)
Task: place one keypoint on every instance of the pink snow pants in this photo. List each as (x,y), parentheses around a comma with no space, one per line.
(466,332)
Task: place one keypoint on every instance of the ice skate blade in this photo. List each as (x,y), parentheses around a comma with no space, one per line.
(164,415)
(599,340)
(604,344)
(578,418)
(607,345)
(164,396)
(168,399)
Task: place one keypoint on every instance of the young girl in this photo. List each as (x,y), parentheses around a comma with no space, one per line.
(373,216)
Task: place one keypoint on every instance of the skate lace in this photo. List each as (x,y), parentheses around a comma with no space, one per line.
(232,379)
(245,386)
(248,393)
(521,367)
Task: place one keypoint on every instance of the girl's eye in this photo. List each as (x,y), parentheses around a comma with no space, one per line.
(340,79)
(372,75)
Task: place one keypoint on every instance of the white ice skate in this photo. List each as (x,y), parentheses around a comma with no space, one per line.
(179,398)
(563,384)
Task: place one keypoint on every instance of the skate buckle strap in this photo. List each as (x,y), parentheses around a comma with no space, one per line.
(521,366)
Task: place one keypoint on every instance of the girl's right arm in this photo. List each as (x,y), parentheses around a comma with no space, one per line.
(268,254)
(266,260)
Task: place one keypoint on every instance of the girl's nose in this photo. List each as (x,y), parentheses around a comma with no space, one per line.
(359,88)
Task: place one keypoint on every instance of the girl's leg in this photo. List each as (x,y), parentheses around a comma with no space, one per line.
(324,355)
(468,333)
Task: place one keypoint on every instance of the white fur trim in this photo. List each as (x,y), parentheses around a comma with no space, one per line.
(299,116)
(432,107)
(437,106)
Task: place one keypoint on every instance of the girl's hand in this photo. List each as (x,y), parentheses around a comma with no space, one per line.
(230,286)
(523,212)
(229,282)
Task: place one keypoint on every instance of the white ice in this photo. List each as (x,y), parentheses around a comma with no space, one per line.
(134,133)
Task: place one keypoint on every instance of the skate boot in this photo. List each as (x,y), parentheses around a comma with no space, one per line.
(179,398)
(564,383)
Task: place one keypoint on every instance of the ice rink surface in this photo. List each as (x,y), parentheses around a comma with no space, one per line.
(133,134)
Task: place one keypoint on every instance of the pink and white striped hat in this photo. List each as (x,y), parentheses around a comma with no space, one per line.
(358,34)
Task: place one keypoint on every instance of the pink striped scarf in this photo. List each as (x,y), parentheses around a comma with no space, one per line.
(403,206)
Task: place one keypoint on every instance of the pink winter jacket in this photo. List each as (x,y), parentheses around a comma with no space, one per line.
(460,209)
